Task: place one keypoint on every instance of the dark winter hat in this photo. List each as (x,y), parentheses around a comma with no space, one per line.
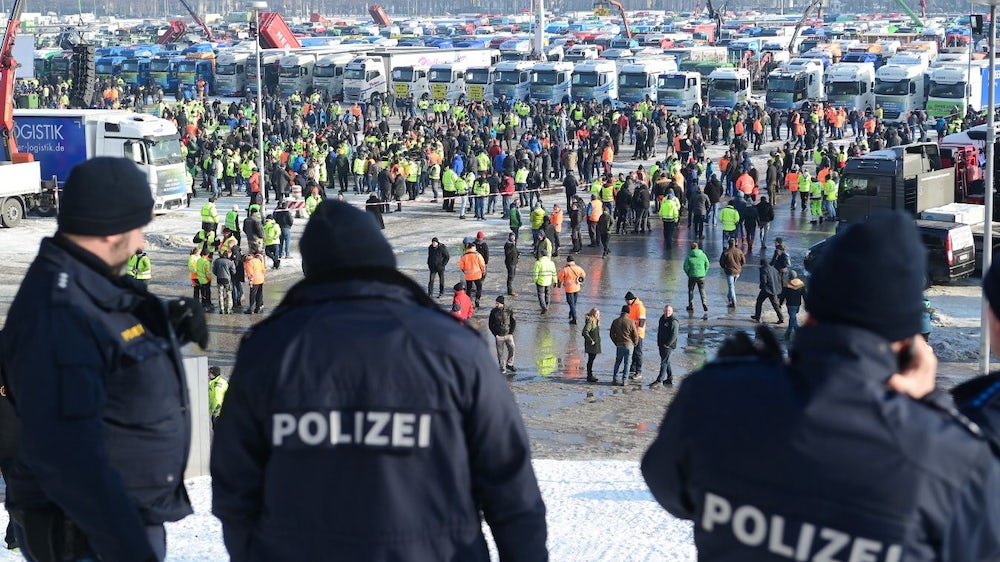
(339,236)
(501,300)
(629,296)
(872,276)
(104,196)
(991,287)
(625,309)
(459,287)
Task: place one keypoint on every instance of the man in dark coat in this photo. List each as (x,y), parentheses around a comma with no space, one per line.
(666,342)
(437,259)
(770,288)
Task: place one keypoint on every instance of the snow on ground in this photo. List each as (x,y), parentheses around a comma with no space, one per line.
(597,510)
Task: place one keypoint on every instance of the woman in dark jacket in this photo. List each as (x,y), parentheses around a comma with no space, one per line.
(791,297)
(373,206)
(592,340)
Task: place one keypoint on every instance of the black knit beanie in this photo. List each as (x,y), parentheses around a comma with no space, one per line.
(339,236)
(872,276)
(104,196)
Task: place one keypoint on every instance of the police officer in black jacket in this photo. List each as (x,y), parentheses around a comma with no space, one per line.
(979,398)
(92,366)
(838,454)
(364,423)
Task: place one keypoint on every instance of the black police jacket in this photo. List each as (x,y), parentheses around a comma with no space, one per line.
(93,368)
(819,461)
(361,424)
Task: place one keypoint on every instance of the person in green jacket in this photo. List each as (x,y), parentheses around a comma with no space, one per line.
(217,387)
(729,217)
(272,238)
(139,267)
(696,267)
(816,201)
(514,216)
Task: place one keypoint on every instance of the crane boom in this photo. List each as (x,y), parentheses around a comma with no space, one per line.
(798,27)
(198,20)
(8,68)
(621,10)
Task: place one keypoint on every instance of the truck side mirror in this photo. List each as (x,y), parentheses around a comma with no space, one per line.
(913,88)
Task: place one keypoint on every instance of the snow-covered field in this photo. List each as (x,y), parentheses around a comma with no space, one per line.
(597,510)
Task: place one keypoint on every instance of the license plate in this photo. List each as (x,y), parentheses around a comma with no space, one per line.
(963,257)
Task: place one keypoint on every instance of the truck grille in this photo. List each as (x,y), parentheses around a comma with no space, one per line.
(352,94)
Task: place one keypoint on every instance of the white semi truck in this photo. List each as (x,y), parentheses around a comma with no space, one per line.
(59,139)
(851,85)
(680,92)
(231,72)
(368,76)
(899,90)
(413,78)
(729,87)
(596,80)
(638,80)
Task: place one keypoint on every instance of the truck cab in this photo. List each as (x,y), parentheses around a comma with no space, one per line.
(364,77)
(580,53)
(136,70)
(108,67)
(899,90)
(790,86)
(955,88)
(447,81)
(295,73)
(851,85)
(551,82)
(728,87)
(410,78)
(638,80)
(328,74)
(231,73)
(596,80)
(680,93)
(511,79)
(195,67)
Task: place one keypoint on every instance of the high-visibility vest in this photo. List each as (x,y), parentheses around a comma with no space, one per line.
(596,210)
(139,267)
(209,213)
(729,217)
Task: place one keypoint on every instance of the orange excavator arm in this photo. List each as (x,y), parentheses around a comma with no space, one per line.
(8,68)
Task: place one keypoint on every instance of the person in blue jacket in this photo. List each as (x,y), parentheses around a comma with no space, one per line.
(364,423)
(92,366)
(845,452)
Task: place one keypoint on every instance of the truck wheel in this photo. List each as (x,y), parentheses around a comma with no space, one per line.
(47,211)
(11,212)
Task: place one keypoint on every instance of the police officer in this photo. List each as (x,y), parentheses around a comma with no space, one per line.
(372,455)
(93,368)
(837,454)
(979,398)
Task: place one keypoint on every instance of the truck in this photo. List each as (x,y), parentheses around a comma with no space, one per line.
(899,90)
(328,74)
(162,70)
(551,82)
(955,88)
(295,73)
(231,72)
(680,92)
(638,80)
(413,77)
(596,80)
(367,76)
(195,67)
(580,53)
(136,69)
(268,66)
(729,87)
(509,79)
(791,86)
(108,67)
(851,85)
(447,81)
(61,139)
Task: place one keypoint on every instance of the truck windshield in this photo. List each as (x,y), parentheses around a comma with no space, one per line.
(104,68)
(403,74)
(323,71)
(164,150)
(863,185)
(130,66)
(632,80)
(887,88)
(226,69)
(478,76)
(506,77)
(185,67)
(843,88)
(60,65)
(159,66)
(585,79)
(670,83)
(781,84)
(956,91)
(725,85)
(354,74)
(440,76)
(288,72)
(544,78)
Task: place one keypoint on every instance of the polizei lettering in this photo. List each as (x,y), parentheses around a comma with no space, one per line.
(399,430)
(808,543)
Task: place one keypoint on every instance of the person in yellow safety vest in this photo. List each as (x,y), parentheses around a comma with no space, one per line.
(670,212)
(209,215)
(204,270)
(230,172)
(217,387)
(461,193)
(358,168)
(272,238)
(448,178)
(434,179)
(423,105)
(830,190)
(805,184)
(139,267)
(608,193)
(412,177)
(246,170)
(816,201)
(729,217)
(313,201)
